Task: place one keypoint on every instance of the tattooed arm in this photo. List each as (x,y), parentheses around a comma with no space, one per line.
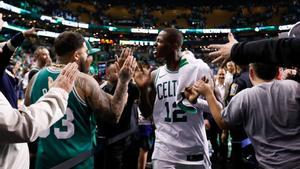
(106,106)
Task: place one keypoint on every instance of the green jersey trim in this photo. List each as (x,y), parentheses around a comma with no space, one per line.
(53,70)
(33,83)
(78,97)
(183,61)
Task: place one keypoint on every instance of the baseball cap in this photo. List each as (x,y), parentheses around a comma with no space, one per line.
(91,51)
(293,33)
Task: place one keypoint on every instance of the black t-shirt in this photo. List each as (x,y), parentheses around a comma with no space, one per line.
(109,130)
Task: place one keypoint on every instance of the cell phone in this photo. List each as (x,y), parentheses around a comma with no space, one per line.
(102,70)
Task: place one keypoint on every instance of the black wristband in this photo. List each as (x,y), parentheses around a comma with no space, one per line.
(17,40)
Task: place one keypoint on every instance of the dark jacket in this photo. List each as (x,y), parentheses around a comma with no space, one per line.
(240,82)
(282,52)
(110,130)
(7,83)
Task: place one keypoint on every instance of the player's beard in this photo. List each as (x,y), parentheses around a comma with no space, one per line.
(82,65)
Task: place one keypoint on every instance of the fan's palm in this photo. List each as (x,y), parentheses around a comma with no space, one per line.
(142,78)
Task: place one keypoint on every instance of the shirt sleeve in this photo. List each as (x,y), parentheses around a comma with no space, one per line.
(25,125)
(203,105)
(283,52)
(232,113)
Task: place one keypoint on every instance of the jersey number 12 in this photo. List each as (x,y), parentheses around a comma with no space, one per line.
(177,115)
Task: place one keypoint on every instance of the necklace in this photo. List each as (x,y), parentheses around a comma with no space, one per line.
(58,65)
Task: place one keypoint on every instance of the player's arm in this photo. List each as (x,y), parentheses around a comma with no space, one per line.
(214,106)
(11,45)
(109,107)
(215,109)
(145,82)
(193,96)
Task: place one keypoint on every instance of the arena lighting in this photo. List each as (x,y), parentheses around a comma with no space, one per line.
(216,31)
(136,42)
(243,29)
(42,33)
(44,17)
(112,28)
(63,21)
(69,23)
(92,39)
(6,25)
(106,41)
(267,28)
(83,25)
(12,8)
(49,18)
(183,30)
(285,27)
(47,34)
(205,31)
(150,31)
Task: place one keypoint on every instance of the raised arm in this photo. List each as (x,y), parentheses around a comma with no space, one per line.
(145,82)
(215,108)
(11,45)
(282,52)
(8,50)
(106,106)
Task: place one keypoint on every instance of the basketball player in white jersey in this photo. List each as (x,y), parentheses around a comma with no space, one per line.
(180,138)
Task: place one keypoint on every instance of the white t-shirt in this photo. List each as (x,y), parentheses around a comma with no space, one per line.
(270,115)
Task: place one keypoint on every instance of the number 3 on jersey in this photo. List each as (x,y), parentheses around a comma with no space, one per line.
(177,115)
(65,123)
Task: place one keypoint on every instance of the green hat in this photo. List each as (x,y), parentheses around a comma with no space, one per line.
(91,51)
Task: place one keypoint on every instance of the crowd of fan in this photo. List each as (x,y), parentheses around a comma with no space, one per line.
(244,15)
(25,58)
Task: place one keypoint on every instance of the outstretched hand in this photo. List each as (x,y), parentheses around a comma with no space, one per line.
(126,52)
(127,71)
(142,77)
(66,78)
(222,51)
(31,32)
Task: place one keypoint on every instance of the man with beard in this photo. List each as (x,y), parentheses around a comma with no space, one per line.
(74,133)
(42,58)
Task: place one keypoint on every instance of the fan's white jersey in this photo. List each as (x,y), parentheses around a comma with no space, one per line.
(180,136)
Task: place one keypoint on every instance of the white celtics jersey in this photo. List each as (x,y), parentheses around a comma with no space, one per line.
(179,135)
